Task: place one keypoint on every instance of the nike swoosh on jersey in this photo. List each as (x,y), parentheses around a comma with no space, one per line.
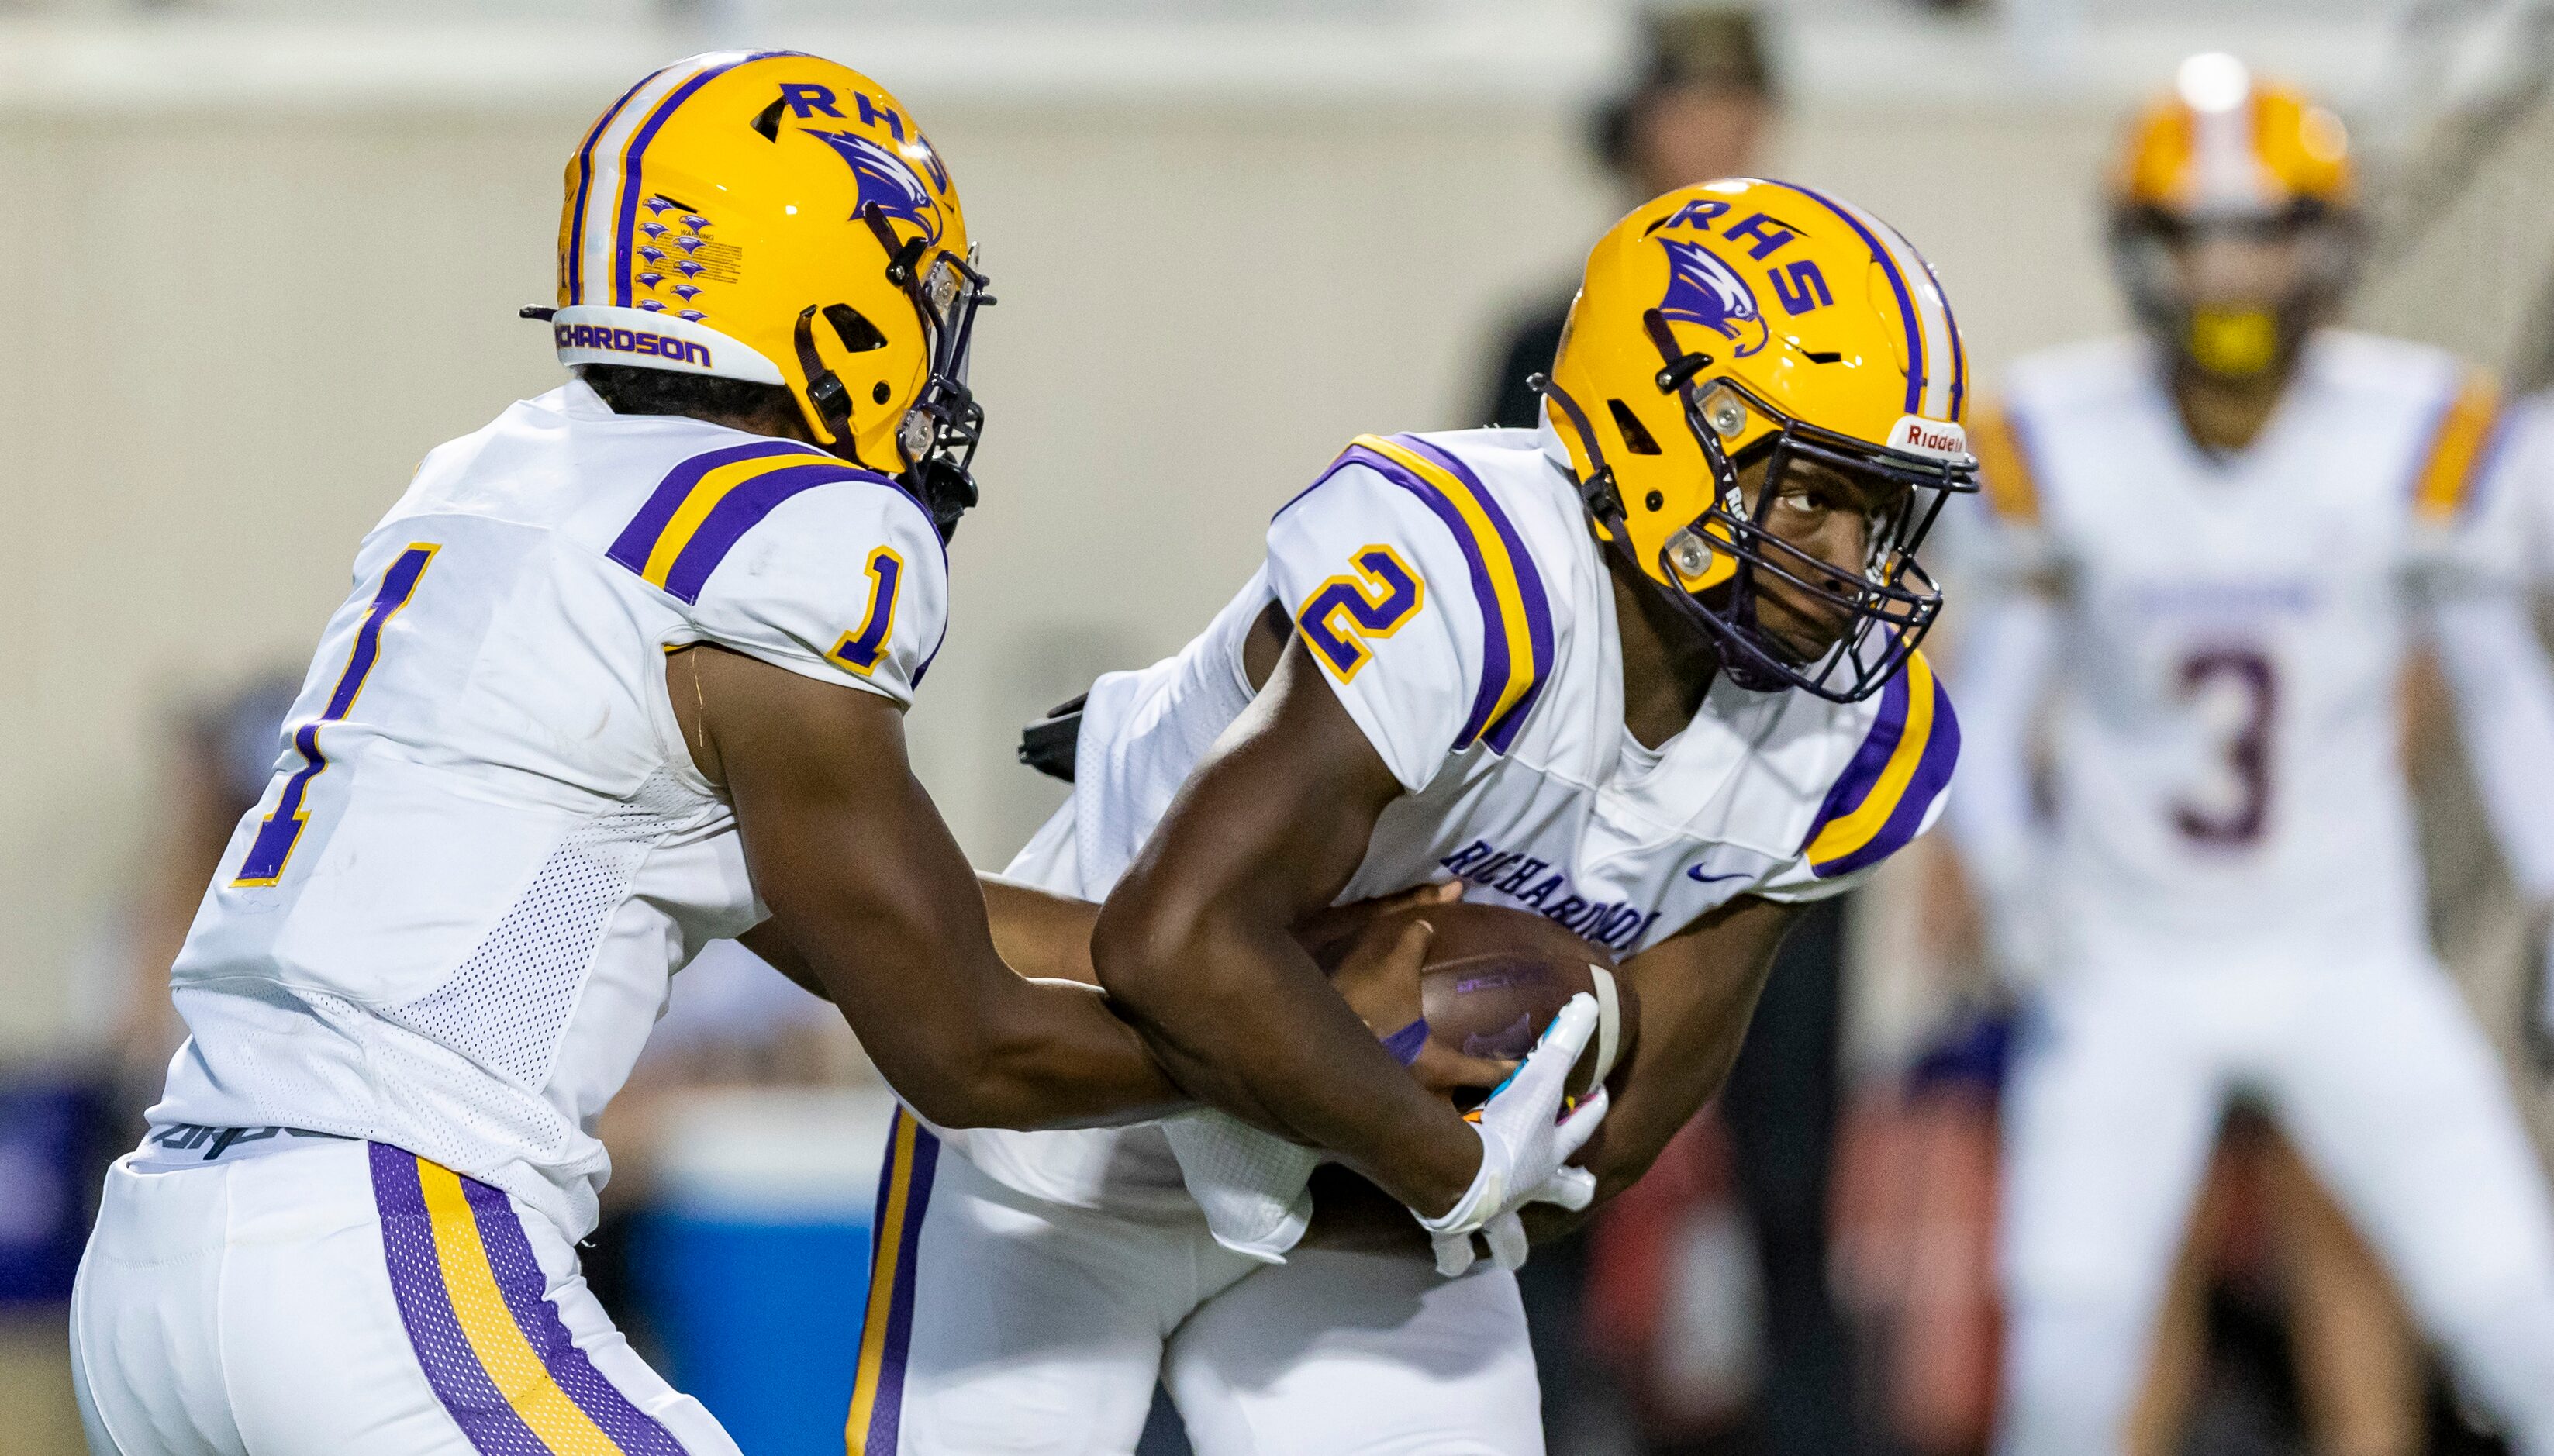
(1695,872)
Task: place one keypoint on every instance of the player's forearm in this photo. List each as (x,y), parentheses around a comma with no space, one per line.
(2496,669)
(1038,934)
(969,1042)
(1206,988)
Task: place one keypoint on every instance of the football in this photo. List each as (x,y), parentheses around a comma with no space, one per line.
(1496,977)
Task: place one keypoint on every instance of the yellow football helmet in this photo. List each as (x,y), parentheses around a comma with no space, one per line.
(2228,153)
(773,217)
(1739,321)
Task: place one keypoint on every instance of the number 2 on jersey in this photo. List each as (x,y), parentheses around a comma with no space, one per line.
(1348,611)
(2247,750)
(279,832)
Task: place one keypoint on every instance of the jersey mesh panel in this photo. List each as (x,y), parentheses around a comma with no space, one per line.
(507,1005)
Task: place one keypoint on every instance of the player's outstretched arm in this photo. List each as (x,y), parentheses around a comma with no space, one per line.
(1698,992)
(872,893)
(1193,946)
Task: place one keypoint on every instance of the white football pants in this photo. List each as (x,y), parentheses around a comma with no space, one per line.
(2379,1076)
(341,1296)
(1002,1322)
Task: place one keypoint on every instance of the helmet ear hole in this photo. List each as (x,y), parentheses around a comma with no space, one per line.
(854,328)
(1636,436)
(767,121)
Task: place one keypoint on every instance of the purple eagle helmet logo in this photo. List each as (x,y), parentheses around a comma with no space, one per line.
(887,179)
(1703,290)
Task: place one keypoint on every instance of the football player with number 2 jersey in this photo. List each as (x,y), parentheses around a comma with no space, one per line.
(2216,544)
(620,674)
(1649,670)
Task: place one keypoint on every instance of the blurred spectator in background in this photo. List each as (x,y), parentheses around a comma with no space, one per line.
(222,751)
(1699,105)
(1693,1355)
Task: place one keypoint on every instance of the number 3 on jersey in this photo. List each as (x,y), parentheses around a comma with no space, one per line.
(2247,749)
(279,832)
(1348,611)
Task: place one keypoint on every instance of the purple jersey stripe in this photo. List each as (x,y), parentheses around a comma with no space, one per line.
(584,184)
(887,1415)
(1538,608)
(442,1350)
(744,507)
(1494,637)
(1862,775)
(519,1278)
(1906,300)
(1932,774)
(637,540)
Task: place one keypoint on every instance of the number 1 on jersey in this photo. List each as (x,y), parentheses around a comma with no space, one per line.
(279,832)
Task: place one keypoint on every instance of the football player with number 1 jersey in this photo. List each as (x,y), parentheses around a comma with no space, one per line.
(2214,546)
(621,673)
(1649,671)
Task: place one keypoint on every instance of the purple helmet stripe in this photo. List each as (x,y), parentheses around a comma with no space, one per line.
(584,183)
(1897,284)
(626,226)
(1538,608)
(434,1332)
(522,1285)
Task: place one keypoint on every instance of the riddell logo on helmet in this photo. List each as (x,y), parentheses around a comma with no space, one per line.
(632,341)
(1920,436)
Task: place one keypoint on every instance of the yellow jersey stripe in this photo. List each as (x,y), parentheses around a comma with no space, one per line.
(512,1366)
(2004,467)
(1842,837)
(2456,448)
(697,505)
(1499,566)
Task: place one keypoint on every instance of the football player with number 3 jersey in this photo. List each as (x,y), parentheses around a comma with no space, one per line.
(2216,544)
(1649,670)
(620,674)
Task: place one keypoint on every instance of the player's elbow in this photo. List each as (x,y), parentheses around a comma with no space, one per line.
(1005,1077)
(1141,943)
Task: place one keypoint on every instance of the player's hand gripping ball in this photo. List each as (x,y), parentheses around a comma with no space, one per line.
(1486,980)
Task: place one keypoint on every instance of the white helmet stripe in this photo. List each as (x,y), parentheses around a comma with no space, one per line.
(603,192)
(1941,363)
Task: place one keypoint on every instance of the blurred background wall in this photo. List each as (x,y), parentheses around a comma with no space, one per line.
(264,255)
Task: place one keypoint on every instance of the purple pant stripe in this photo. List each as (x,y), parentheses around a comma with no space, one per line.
(521,1281)
(444,1352)
(886,1418)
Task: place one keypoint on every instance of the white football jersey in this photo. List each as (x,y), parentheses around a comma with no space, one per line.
(2225,725)
(1450,588)
(449,924)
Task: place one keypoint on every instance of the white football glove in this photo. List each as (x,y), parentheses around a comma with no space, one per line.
(1525,1146)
